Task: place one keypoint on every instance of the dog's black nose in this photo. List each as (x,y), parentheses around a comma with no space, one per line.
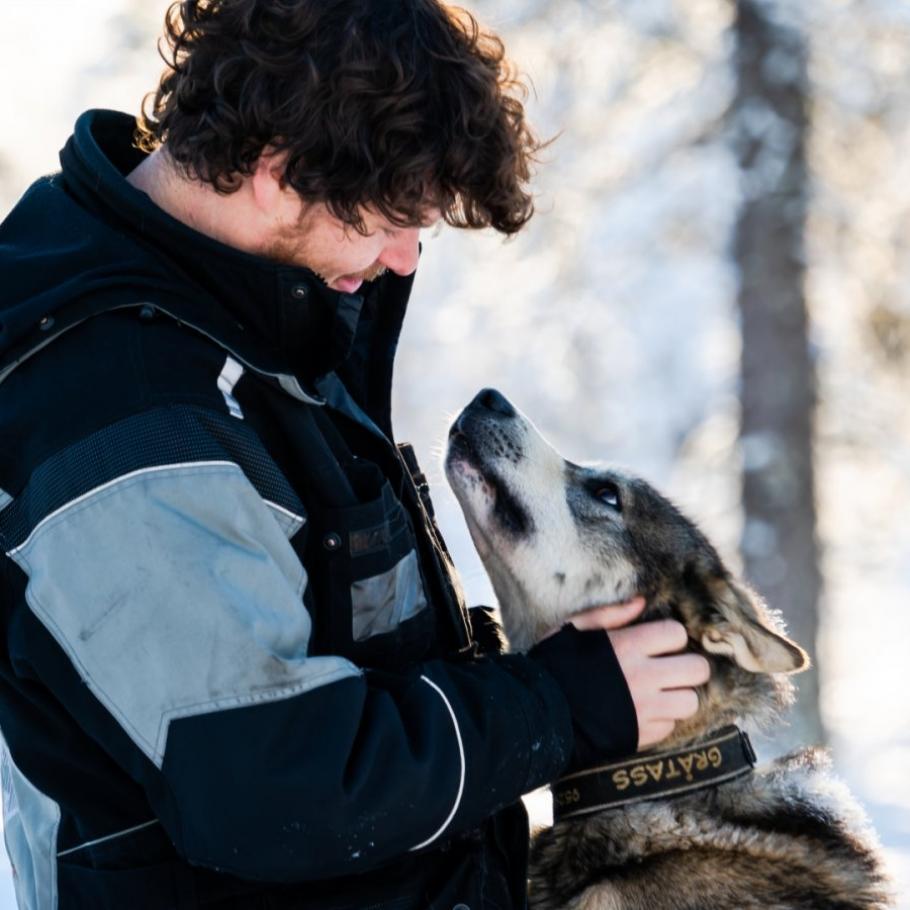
(494,401)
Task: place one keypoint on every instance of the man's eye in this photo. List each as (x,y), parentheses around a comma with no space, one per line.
(608,493)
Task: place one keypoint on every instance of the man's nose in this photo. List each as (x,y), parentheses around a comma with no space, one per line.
(401,254)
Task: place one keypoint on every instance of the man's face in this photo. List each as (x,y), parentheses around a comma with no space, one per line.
(309,235)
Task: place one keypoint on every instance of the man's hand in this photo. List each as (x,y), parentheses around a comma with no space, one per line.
(660,679)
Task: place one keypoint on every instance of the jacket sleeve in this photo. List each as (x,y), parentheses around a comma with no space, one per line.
(166,601)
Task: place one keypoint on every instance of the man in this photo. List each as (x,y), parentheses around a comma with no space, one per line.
(238,670)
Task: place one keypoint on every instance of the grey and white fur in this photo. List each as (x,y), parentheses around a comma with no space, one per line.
(557,538)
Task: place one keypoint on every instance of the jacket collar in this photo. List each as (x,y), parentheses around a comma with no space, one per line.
(289,310)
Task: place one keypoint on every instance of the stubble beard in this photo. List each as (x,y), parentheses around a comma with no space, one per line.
(296,253)
(372,273)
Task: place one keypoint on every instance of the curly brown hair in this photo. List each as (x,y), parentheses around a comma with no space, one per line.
(399,105)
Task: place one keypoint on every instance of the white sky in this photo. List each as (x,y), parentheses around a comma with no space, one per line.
(53,69)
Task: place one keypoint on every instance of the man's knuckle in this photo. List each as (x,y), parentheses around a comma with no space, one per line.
(673,633)
(696,668)
(680,635)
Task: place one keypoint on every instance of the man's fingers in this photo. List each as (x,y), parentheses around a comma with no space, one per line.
(665,710)
(679,671)
(654,732)
(662,636)
(613,616)
(676,704)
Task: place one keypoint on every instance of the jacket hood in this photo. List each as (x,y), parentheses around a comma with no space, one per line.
(85,240)
(52,253)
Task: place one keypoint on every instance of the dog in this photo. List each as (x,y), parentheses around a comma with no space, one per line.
(557,538)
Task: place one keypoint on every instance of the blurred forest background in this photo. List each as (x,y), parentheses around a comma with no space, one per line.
(715,292)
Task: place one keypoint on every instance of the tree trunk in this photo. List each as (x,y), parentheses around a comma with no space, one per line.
(778,384)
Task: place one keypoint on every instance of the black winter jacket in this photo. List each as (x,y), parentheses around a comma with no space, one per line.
(237,672)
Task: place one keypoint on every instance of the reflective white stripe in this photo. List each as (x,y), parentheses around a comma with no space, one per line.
(295,390)
(230,374)
(284,511)
(290,521)
(111,483)
(101,840)
(451,815)
(297,519)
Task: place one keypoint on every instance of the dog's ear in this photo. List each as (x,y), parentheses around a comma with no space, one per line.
(741,632)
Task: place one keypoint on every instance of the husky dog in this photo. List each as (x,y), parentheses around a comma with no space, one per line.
(557,538)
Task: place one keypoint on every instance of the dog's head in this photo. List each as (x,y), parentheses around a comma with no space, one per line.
(557,538)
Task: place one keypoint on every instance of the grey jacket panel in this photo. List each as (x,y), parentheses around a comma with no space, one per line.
(381,603)
(30,823)
(179,576)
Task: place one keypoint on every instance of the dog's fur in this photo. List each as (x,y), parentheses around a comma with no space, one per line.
(557,538)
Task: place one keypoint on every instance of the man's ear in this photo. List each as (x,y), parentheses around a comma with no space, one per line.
(741,632)
(267,180)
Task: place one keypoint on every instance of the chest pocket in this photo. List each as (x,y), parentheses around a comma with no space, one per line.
(375,607)
(367,592)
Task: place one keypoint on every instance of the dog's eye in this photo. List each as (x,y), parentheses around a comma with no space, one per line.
(608,493)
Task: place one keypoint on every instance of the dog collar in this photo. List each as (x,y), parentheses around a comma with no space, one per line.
(723,756)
